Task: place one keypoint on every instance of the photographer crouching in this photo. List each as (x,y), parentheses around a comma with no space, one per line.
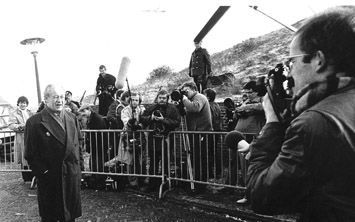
(307,166)
(162,117)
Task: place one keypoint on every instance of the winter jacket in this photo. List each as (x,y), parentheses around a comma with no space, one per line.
(309,167)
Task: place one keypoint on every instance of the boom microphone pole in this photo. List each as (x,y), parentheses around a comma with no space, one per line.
(292,29)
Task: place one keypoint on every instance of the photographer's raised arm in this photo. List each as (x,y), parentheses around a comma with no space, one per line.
(195,105)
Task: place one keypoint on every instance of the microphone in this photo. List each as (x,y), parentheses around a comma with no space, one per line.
(122,73)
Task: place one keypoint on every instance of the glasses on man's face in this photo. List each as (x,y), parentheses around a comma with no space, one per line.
(58,97)
(290,60)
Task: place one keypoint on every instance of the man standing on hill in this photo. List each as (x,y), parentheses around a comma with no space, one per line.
(200,66)
(105,90)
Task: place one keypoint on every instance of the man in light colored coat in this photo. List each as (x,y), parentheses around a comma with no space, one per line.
(17,121)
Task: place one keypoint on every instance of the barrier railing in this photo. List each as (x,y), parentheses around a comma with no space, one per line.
(11,156)
(202,158)
(197,158)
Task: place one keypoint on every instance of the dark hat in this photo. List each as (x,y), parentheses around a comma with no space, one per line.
(102,67)
(233,138)
(68,92)
(250,85)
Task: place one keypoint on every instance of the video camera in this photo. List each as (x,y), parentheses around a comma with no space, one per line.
(273,84)
(176,96)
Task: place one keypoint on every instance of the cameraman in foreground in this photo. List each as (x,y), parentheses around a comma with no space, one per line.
(308,166)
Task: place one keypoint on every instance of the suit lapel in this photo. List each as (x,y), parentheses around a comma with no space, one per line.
(70,132)
(52,126)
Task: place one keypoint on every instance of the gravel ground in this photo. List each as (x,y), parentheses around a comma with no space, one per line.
(19,203)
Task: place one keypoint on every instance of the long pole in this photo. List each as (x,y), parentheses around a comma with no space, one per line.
(34,53)
(292,29)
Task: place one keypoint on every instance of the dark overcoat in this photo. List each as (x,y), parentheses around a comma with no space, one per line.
(200,63)
(55,157)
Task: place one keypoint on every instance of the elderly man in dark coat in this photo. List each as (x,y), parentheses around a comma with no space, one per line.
(53,151)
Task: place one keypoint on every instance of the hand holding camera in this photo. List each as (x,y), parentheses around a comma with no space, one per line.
(157,115)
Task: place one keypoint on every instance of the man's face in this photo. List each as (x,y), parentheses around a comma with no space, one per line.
(188,92)
(55,99)
(84,117)
(68,97)
(85,113)
(303,73)
(250,94)
(135,101)
(162,99)
(197,45)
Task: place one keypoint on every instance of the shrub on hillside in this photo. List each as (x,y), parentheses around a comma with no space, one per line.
(160,72)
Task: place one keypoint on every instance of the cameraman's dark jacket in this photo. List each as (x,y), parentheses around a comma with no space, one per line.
(200,64)
(170,122)
(310,166)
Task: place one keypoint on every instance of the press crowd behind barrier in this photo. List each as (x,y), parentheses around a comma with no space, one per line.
(187,157)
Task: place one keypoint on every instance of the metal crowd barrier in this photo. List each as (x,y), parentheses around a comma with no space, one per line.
(181,157)
(11,156)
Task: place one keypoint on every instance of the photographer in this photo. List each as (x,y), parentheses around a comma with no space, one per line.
(308,166)
(250,120)
(198,118)
(131,149)
(96,144)
(162,117)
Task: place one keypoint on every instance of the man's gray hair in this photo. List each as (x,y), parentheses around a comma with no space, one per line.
(49,88)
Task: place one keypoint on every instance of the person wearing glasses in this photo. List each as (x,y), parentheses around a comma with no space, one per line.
(307,166)
(53,151)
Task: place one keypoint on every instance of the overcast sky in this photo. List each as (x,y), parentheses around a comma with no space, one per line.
(83,34)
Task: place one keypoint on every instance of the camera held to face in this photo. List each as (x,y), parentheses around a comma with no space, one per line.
(273,84)
(177,95)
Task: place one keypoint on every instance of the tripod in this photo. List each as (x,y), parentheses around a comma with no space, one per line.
(186,143)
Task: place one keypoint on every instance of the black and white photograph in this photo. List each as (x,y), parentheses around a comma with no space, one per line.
(165,110)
